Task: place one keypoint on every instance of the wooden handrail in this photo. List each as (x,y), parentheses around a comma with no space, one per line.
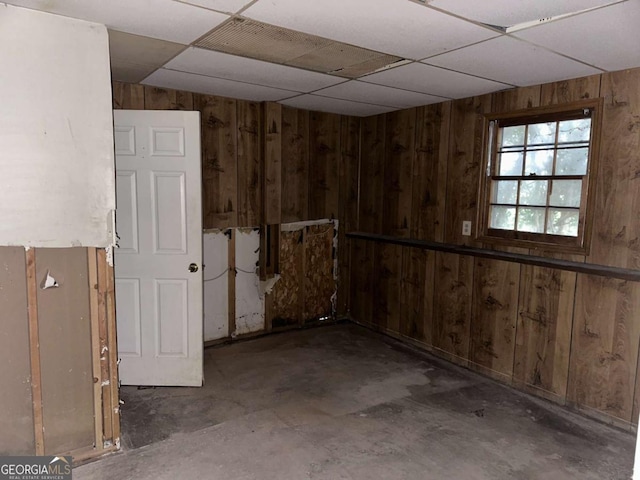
(587,268)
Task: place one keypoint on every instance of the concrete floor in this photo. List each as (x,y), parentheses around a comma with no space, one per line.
(342,402)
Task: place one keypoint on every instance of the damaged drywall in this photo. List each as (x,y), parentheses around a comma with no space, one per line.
(249,298)
(215,253)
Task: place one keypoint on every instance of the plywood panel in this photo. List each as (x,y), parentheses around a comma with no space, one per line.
(288,292)
(452,304)
(65,349)
(16,415)
(372,173)
(319,283)
(156,98)
(324,159)
(272,163)
(544,329)
(128,96)
(398,172)
(465,157)
(295,165)
(430,172)
(249,170)
(219,161)
(348,203)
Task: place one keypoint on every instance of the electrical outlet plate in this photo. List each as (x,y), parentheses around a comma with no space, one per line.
(466,228)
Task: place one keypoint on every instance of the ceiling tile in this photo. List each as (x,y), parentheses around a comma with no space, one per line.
(397,27)
(215,86)
(164,19)
(378,94)
(611,41)
(513,61)
(423,78)
(134,57)
(231,67)
(506,13)
(228,6)
(334,105)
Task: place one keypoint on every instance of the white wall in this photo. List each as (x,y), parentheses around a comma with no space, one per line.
(56,131)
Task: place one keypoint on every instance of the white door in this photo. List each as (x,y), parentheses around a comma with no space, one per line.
(158,270)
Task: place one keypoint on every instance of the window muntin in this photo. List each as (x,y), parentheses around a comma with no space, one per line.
(537,178)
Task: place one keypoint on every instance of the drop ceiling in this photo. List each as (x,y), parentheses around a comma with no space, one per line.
(359,57)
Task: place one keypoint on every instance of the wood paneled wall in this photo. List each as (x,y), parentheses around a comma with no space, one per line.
(572,338)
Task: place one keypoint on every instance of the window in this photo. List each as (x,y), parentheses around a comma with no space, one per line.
(540,169)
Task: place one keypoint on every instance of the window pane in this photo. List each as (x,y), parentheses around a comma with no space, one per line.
(505,192)
(539,162)
(572,161)
(565,193)
(531,219)
(574,130)
(533,192)
(503,218)
(541,133)
(512,136)
(563,222)
(510,163)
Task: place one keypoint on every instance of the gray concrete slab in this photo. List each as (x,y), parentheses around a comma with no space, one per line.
(342,402)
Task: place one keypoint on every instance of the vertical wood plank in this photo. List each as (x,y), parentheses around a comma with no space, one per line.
(113,346)
(348,203)
(104,349)
(219,161)
(416,293)
(232,273)
(386,286)
(156,98)
(34,343)
(372,174)
(295,165)
(570,90)
(324,158)
(128,96)
(95,346)
(430,172)
(606,332)
(361,287)
(272,163)
(398,172)
(249,168)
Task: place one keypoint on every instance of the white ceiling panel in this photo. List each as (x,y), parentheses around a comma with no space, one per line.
(423,78)
(513,61)
(334,105)
(228,6)
(231,67)
(163,19)
(506,13)
(398,27)
(378,94)
(215,86)
(611,39)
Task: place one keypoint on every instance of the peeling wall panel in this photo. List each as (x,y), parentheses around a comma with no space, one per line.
(16,414)
(250,305)
(216,285)
(65,349)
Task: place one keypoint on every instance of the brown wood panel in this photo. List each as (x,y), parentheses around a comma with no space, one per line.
(416,294)
(16,414)
(544,329)
(398,172)
(128,96)
(570,90)
(324,160)
(452,304)
(156,98)
(65,349)
(604,351)
(272,162)
(348,203)
(372,174)
(494,315)
(295,165)
(361,281)
(516,99)
(465,158)
(430,172)
(219,161)
(249,169)
(386,287)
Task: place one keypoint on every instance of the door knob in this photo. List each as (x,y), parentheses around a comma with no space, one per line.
(193,268)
